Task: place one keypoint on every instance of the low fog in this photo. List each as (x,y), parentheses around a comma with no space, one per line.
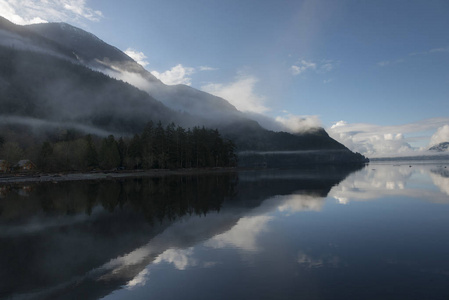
(39,125)
(100,90)
(216,110)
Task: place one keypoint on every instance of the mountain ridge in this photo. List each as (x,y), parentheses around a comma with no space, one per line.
(113,62)
(75,84)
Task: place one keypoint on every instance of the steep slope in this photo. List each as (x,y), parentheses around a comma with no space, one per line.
(19,37)
(214,111)
(89,49)
(49,73)
(44,87)
(95,53)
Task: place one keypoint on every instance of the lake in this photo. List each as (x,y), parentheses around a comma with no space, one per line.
(377,232)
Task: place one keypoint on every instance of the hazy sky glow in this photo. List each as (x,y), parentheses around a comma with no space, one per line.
(380,69)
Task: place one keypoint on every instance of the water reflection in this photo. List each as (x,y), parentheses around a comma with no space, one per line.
(266,233)
(440,177)
(82,226)
(382,180)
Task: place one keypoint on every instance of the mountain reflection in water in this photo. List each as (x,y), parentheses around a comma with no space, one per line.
(242,235)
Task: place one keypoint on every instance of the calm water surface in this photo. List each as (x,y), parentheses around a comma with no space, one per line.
(381,232)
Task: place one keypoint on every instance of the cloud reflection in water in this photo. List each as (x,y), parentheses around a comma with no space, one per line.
(377,181)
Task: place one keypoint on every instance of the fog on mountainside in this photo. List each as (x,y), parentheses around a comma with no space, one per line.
(44,87)
(49,73)
(100,56)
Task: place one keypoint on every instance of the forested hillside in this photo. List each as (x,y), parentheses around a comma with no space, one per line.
(156,147)
(49,86)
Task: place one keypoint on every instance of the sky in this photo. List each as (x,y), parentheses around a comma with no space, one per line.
(374,74)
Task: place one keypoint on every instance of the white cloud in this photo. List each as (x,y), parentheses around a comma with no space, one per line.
(431,51)
(239,93)
(296,203)
(383,63)
(139,280)
(388,62)
(370,140)
(381,141)
(243,235)
(176,75)
(442,49)
(138,56)
(180,258)
(324,66)
(302,66)
(327,65)
(38,11)
(296,123)
(440,136)
(207,68)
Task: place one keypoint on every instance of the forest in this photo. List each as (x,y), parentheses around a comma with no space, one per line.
(156,147)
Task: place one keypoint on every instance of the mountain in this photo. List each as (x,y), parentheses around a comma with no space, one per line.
(98,55)
(36,86)
(55,75)
(441,147)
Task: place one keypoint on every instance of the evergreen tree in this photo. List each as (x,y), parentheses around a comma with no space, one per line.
(170,145)
(91,155)
(134,158)
(123,151)
(45,158)
(11,152)
(159,146)
(181,145)
(147,140)
(109,154)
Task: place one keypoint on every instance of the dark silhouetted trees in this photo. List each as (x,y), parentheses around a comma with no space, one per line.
(156,147)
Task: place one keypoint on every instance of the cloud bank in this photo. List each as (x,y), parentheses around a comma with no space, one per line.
(178,74)
(440,136)
(390,141)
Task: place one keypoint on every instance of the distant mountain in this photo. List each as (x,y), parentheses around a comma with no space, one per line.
(441,147)
(55,75)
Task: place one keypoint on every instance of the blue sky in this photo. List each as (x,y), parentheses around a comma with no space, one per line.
(375,74)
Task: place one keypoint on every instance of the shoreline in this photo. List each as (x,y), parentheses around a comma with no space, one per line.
(6,179)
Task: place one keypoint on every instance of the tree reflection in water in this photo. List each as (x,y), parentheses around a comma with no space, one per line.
(65,240)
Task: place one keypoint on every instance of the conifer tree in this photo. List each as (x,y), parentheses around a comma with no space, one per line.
(91,155)
(109,154)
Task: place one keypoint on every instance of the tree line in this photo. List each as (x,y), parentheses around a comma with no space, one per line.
(156,147)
